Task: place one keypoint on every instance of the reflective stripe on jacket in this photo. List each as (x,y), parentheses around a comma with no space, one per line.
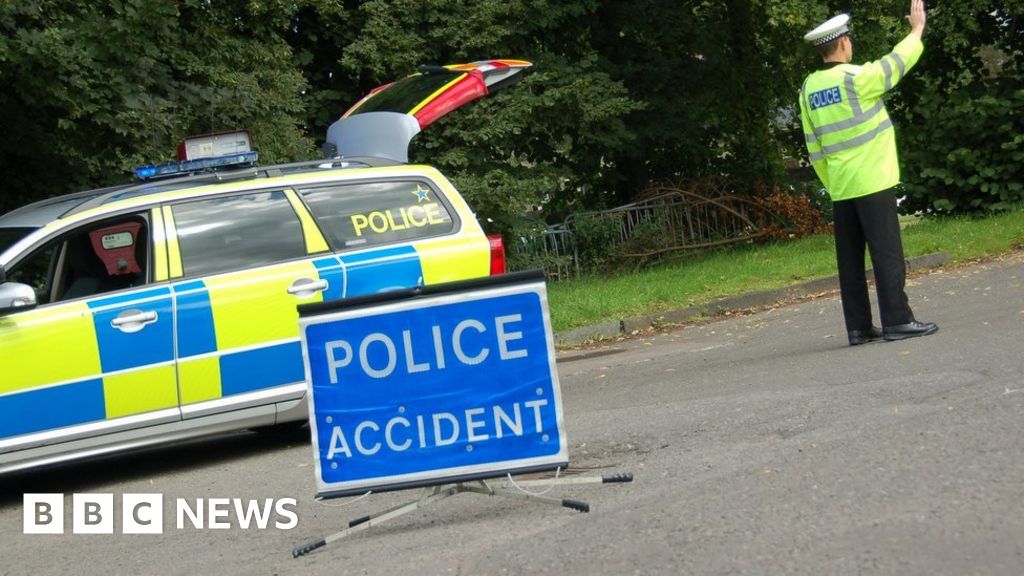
(849,135)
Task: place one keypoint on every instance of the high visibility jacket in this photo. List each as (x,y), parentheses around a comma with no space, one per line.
(849,135)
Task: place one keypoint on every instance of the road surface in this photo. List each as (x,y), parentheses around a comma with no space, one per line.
(760,444)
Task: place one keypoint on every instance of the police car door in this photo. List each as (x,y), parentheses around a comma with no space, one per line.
(382,230)
(96,356)
(241,264)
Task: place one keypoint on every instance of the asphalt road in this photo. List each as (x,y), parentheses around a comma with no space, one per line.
(761,444)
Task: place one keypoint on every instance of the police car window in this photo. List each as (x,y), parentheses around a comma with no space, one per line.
(8,236)
(235,232)
(369,214)
(406,93)
(35,272)
(93,259)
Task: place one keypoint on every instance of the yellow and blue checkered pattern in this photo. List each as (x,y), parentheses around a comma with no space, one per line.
(235,333)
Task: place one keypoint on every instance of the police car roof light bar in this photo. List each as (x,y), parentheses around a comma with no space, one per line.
(152,171)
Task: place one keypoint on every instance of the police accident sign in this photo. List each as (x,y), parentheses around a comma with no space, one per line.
(433,385)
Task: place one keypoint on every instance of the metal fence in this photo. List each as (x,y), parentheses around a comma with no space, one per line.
(669,220)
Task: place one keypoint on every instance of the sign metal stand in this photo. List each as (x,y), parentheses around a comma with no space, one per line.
(434,494)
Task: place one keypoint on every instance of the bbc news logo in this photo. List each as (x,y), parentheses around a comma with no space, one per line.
(144,514)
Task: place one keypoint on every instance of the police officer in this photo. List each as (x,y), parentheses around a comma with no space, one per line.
(852,147)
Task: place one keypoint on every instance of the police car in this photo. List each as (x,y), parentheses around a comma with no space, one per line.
(166,309)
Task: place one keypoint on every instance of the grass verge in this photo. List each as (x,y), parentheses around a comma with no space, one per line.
(698,278)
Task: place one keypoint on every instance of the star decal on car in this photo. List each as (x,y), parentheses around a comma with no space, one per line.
(421,194)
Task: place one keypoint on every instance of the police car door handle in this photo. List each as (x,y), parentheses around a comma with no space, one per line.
(306,287)
(131,321)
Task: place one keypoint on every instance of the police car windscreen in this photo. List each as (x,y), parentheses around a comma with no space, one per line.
(8,236)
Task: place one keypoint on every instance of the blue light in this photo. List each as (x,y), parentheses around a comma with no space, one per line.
(143,172)
(199,165)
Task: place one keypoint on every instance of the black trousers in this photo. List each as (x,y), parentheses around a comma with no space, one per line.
(872,221)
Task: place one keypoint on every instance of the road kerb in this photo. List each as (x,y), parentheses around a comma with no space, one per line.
(721,306)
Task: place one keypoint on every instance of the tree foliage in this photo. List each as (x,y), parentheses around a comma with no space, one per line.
(962,135)
(544,142)
(622,94)
(93,89)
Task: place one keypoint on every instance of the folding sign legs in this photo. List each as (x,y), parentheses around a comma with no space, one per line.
(435,494)
(516,489)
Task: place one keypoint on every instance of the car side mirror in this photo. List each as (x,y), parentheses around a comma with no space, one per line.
(15,297)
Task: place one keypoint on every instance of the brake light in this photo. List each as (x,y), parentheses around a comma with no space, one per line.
(497,254)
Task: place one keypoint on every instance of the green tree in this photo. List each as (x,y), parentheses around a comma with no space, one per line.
(713,77)
(92,90)
(541,143)
(621,94)
(963,147)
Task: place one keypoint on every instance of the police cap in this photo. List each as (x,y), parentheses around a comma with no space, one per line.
(831,30)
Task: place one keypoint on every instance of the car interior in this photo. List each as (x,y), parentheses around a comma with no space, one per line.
(102,259)
(107,256)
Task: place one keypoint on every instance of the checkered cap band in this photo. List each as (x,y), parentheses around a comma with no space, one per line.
(831,36)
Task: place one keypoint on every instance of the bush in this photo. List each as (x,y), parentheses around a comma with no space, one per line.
(797,216)
(818,199)
(650,235)
(969,158)
(598,241)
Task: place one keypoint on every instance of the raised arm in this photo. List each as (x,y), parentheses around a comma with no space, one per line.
(917,18)
(878,77)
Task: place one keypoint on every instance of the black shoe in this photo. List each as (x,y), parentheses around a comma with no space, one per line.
(858,337)
(909,330)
